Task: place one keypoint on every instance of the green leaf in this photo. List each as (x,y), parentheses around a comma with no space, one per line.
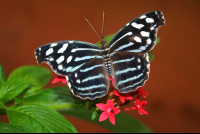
(2,108)
(94,115)
(2,75)
(36,76)
(124,123)
(107,39)
(10,89)
(56,98)
(151,57)
(39,118)
(10,128)
(157,40)
(2,105)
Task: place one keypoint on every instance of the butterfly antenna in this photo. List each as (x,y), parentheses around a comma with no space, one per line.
(92,27)
(103,23)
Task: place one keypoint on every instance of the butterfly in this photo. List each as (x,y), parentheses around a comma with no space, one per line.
(88,67)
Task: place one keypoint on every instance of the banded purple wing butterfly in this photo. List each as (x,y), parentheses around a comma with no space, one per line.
(87,67)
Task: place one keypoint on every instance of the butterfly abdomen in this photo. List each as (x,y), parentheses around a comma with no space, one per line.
(106,56)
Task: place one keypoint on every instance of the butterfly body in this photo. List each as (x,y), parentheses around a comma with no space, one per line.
(87,67)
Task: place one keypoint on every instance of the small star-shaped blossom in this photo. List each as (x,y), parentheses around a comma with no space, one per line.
(60,78)
(142,92)
(139,106)
(122,96)
(108,111)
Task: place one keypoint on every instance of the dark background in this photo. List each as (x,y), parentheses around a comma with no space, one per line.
(173,100)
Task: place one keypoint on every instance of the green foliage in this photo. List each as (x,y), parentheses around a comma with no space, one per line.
(39,118)
(151,57)
(10,89)
(32,115)
(2,75)
(10,128)
(37,77)
(124,123)
(2,108)
(56,98)
(94,115)
(158,40)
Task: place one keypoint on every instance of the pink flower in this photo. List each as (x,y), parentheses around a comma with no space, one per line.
(142,92)
(122,96)
(60,78)
(139,106)
(109,111)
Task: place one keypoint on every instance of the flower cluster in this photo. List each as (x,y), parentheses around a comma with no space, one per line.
(115,101)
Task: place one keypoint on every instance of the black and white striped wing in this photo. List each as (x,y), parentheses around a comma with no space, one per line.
(65,57)
(91,81)
(139,35)
(128,51)
(82,65)
(129,70)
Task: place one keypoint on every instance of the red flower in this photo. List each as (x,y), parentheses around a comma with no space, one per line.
(109,111)
(112,83)
(142,92)
(122,96)
(139,106)
(59,78)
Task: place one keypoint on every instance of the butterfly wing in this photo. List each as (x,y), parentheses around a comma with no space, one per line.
(91,81)
(129,70)
(128,51)
(64,57)
(82,65)
(139,35)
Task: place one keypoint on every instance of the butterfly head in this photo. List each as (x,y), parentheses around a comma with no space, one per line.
(103,42)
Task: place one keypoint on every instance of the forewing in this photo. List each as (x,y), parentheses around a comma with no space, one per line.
(139,35)
(130,70)
(90,81)
(65,57)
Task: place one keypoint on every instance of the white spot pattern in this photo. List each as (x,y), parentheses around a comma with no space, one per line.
(138,26)
(51,59)
(60,59)
(76,75)
(149,20)
(78,81)
(69,59)
(138,66)
(148,41)
(143,16)
(137,39)
(63,48)
(49,51)
(54,44)
(60,67)
(145,34)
